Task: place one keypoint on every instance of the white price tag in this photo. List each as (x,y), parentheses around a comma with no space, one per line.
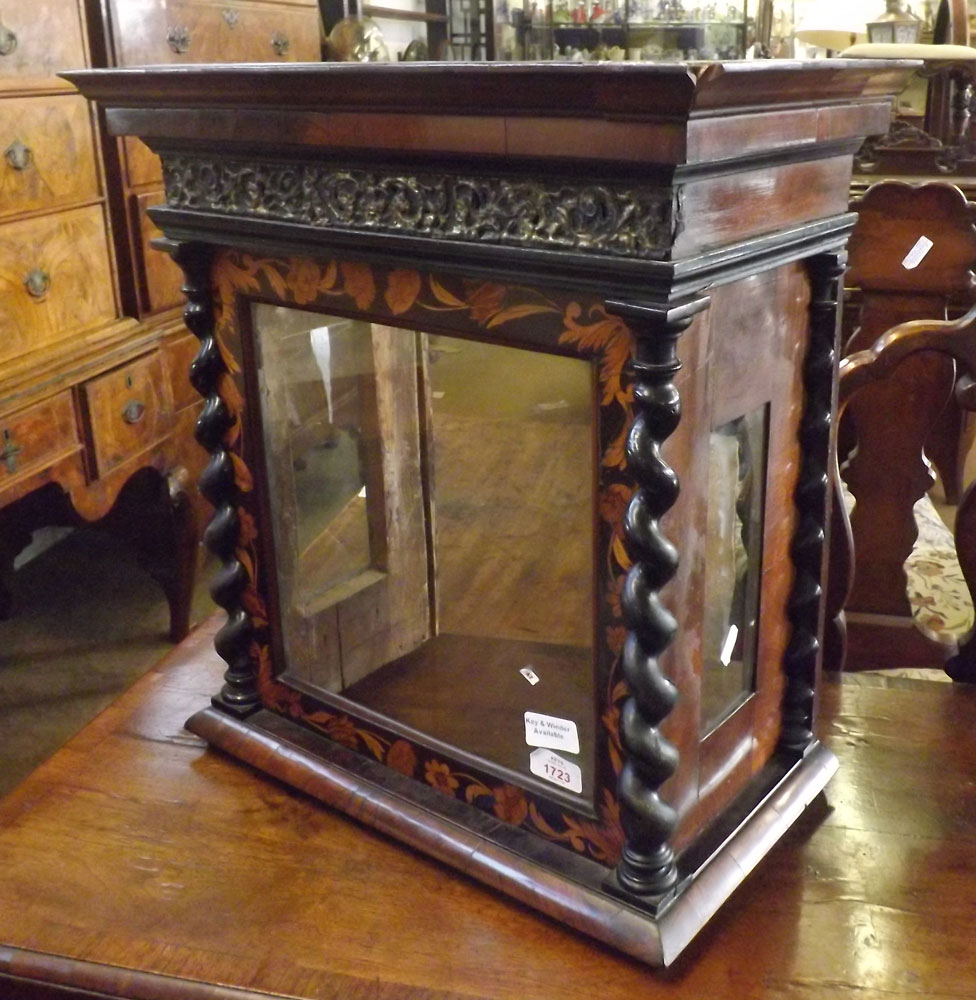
(548,731)
(728,647)
(917,253)
(552,767)
(530,675)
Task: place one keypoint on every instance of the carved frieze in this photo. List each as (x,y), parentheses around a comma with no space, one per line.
(631,220)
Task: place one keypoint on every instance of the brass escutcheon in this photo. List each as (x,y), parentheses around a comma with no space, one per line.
(18,155)
(8,40)
(280,43)
(37,283)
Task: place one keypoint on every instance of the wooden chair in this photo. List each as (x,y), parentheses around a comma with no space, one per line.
(903,414)
(885,497)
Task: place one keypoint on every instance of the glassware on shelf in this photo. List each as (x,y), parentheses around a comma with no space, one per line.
(615,30)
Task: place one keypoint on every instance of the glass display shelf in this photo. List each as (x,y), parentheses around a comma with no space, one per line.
(655,30)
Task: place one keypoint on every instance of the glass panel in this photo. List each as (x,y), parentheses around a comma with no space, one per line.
(733,558)
(314,380)
(432,501)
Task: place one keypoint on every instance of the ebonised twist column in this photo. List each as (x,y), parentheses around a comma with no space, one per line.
(239,693)
(806,605)
(647,866)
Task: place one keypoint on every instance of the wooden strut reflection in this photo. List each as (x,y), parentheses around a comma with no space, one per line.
(239,694)
(647,865)
(806,604)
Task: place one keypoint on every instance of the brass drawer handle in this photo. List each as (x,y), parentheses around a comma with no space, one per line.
(37,283)
(133,411)
(280,43)
(18,155)
(8,40)
(231,16)
(10,451)
(178,39)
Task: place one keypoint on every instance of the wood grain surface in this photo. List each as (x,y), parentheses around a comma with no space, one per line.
(41,52)
(71,250)
(138,864)
(58,167)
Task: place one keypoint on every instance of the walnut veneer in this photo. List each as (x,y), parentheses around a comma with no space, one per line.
(93,357)
(86,436)
(147,32)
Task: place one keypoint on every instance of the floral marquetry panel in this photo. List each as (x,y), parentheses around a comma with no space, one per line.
(432,489)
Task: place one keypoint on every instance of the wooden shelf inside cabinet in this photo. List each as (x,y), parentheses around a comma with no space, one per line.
(686,24)
(436,16)
(371,10)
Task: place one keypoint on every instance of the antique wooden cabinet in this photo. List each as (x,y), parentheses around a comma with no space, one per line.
(94,405)
(90,400)
(519,386)
(141,32)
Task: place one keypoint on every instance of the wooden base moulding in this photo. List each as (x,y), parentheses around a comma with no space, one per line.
(426,820)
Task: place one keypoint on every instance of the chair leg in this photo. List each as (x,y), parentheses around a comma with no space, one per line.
(156,516)
(168,550)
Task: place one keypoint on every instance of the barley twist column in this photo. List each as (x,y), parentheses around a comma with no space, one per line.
(239,693)
(806,604)
(647,866)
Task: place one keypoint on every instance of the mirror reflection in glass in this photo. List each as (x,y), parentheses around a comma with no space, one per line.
(733,553)
(433,508)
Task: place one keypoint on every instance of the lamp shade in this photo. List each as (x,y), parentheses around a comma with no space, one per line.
(833,37)
(833,24)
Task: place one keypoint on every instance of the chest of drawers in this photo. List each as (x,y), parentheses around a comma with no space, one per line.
(148,32)
(96,413)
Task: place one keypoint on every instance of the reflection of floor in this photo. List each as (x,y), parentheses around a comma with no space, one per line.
(87,623)
(467,691)
(513,517)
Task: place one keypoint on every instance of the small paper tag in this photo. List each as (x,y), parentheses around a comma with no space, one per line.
(917,253)
(548,731)
(728,647)
(530,675)
(552,767)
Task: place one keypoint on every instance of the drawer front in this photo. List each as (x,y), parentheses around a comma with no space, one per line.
(48,154)
(178,354)
(156,31)
(128,411)
(142,165)
(55,279)
(39,38)
(163,279)
(36,436)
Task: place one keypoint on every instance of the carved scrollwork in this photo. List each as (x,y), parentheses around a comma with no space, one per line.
(600,218)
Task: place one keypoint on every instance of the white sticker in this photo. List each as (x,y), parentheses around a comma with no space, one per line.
(552,767)
(530,675)
(548,731)
(917,253)
(728,647)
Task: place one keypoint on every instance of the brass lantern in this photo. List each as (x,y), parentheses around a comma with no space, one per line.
(897,25)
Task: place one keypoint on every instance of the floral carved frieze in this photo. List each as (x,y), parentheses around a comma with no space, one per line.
(631,220)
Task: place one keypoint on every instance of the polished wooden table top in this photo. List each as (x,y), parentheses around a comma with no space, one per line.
(137,863)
